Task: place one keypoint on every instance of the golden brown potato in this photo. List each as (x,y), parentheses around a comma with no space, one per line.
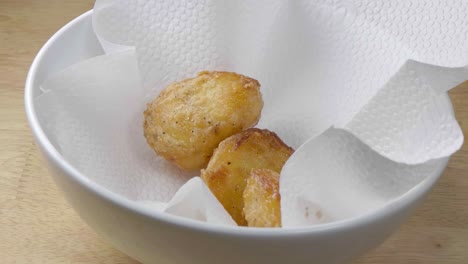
(233,160)
(262,199)
(188,119)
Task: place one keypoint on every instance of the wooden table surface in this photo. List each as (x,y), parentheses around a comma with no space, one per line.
(38,226)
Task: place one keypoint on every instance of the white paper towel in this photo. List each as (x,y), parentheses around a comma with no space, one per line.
(320,63)
(194,200)
(406,121)
(336,176)
(92,112)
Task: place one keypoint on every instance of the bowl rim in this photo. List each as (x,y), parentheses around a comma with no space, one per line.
(57,159)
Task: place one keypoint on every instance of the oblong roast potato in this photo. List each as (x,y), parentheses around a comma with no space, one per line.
(188,119)
(262,206)
(233,160)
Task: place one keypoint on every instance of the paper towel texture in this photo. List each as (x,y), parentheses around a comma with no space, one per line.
(321,64)
(93,112)
(406,121)
(335,176)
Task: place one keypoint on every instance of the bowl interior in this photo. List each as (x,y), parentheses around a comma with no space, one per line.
(73,43)
(76,42)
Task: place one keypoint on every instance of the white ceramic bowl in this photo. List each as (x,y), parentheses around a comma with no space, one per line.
(153,237)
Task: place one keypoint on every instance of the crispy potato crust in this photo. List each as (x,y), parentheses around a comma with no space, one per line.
(262,199)
(233,160)
(188,119)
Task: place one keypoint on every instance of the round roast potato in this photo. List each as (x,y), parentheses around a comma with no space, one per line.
(188,119)
(233,160)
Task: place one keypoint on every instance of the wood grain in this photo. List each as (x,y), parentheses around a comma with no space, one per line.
(38,226)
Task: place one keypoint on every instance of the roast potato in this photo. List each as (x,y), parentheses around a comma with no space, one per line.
(262,199)
(188,119)
(232,161)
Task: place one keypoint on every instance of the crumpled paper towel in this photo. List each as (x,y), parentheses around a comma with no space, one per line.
(196,201)
(343,177)
(356,87)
